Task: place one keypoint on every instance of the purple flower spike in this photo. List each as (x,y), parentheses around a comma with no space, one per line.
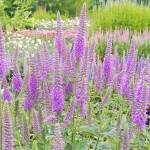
(80,39)
(33,81)
(58,36)
(35,122)
(57,90)
(125,144)
(140,106)
(50,119)
(16,79)
(26,132)
(58,143)
(70,112)
(2,55)
(6,94)
(8,138)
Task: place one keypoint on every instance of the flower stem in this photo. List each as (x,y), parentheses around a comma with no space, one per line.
(139,145)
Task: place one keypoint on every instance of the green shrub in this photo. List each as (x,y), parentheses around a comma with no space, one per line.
(40,14)
(5,20)
(123,15)
(54,16)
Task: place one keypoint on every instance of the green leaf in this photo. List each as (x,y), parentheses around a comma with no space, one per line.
(92,130)
(106,144)
(81,146)
(109,132)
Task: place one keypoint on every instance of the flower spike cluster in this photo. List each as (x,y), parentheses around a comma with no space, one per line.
(80,39)
(58,143)
(2,55)
(58,35)
(8,138)
(57,90)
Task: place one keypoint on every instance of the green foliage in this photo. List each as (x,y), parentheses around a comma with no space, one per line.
(123,15)
(41,14)
(15,15)
(69,8)
(20,20)
(5,20)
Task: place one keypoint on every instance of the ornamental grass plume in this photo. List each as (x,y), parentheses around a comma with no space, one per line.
(57,89)
(80,38)
(26,132)
(58,35)
(58,141)
(8,138)
(6,93)
(35,123)
(2,55)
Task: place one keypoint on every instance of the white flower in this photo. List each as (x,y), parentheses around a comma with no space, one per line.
(38,40)
(20,46)
(2,90)
(19,35)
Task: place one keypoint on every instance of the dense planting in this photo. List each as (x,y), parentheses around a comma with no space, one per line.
(70,98)
(123,15)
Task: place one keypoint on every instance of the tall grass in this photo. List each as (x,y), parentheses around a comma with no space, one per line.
(123,14)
